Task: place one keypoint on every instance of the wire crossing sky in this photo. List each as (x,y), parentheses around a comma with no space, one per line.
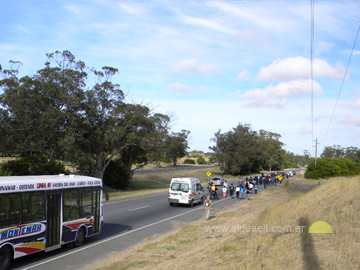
(210,64)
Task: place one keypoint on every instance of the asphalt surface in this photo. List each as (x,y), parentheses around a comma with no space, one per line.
(126,223)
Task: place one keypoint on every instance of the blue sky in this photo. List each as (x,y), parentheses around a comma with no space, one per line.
(209,64)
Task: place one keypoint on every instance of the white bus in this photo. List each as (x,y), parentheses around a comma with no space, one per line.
(41,213)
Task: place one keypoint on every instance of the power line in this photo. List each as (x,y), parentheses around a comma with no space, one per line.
(343,80)
(311,68)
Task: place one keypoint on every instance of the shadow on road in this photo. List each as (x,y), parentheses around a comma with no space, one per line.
(108,230)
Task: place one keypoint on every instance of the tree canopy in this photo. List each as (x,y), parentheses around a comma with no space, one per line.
(242,150)
(71,112)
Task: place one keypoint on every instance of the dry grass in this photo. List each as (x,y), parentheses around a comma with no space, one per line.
(191,247)
(6,159)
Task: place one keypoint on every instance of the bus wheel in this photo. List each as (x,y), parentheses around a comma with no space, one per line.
(5,258)
(80,238)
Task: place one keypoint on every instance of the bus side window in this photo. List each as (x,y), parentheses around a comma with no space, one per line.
(33,206)
(3,210)
(71,204)
(9,209)
(86,202)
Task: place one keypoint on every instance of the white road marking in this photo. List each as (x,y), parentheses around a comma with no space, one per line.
(142,207)
(117,236)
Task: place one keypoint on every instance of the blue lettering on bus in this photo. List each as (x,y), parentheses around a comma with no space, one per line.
(4,235)
(20,230)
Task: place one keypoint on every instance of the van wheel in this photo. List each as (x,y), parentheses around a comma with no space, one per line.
(171,204)
(5,258)
(80,238)
(192,203)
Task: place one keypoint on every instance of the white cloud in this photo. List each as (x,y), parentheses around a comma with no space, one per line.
(250,36)
(357,103)
(211,24)
(322,47)
(298,68)
(130,8)
(181,88)
(276,96)
(305,130)
(192,66)
(243,75)
(262,17)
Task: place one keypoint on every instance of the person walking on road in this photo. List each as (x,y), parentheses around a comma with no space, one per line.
(247,192)
(241,192)
(224,191)
(231,189)
(213,192)
(237,191)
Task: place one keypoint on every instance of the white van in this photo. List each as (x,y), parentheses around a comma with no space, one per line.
(185,191)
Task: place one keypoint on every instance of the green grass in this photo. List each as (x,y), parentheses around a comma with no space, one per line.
(158,181)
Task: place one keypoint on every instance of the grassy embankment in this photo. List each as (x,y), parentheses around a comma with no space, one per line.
(158,181)
(298,203)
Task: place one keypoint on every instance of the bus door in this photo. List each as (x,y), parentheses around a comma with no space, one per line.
(96,208)
(53,217)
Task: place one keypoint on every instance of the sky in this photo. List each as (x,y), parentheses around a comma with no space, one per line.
(211,65)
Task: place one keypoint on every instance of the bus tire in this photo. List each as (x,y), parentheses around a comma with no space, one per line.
(79,241)
(5,258)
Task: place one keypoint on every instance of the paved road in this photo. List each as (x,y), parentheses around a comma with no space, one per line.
(126,223)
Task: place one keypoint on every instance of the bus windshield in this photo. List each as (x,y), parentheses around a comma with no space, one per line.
(180,187)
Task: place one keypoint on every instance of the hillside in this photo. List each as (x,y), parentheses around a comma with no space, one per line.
(222,242)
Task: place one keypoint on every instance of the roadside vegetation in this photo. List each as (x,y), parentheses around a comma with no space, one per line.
(158,181)
(298,204)
(327,167)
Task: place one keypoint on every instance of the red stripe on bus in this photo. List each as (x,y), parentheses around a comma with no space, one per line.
(27,250)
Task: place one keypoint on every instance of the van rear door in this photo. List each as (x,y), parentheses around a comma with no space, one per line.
(180,192)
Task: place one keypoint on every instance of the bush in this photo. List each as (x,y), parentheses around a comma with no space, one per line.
(327,167)
(189,161)
(3,172)
(288,164)
(117,175)
(201,160)
(34,165)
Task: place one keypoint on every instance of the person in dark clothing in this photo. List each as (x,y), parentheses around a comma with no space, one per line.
(231,189)
(265,182)
(247,191)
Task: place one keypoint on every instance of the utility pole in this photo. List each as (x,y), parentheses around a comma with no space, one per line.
(316,144)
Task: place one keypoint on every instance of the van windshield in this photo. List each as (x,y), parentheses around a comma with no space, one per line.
(180,187)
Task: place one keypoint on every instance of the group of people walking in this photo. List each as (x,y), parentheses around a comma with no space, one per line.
(248,186)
